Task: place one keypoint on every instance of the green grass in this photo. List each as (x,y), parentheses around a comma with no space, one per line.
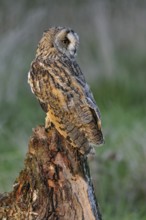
(119,168)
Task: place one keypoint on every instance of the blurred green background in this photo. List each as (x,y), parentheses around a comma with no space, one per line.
(112,55)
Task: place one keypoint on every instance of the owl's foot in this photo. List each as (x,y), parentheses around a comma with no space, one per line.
(49,127)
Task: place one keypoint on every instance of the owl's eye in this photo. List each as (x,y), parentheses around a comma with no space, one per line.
(66,41)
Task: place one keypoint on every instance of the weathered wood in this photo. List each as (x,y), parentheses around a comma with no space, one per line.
(55,183)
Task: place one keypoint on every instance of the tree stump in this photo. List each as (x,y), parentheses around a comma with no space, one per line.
(55,183)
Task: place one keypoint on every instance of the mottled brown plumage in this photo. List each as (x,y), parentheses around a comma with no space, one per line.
(59,85)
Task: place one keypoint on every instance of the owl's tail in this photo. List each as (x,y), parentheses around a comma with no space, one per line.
(91,125)
(78,138)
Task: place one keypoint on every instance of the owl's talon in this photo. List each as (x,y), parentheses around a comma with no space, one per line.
(49,127)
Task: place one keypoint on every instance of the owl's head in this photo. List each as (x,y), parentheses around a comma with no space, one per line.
(58,39)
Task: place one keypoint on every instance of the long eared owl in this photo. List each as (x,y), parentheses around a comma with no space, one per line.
(59,84)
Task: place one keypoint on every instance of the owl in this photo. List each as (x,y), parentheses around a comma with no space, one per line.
(60,86)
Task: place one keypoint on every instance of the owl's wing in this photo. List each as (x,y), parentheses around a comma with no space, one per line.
(76,71)
(91,102)
(65,99)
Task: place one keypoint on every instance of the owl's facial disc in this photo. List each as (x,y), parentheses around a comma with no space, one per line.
(67,42)
(73,42)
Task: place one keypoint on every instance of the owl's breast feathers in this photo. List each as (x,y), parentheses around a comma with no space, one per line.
(65,96)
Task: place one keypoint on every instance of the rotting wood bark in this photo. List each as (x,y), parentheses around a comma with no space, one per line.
(55,183)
